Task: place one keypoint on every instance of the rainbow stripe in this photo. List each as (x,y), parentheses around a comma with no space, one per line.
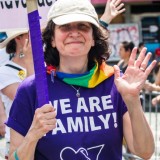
(94,77)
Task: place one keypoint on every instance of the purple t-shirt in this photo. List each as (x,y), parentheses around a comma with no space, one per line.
(88,128)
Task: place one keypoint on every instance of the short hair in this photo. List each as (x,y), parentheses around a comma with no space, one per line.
(141,44)
(128,46)
(11,46)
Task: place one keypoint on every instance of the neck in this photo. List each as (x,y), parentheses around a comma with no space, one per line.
(126,61)
(75,66)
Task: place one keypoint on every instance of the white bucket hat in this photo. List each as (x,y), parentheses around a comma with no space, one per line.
(11,34)
(68,11)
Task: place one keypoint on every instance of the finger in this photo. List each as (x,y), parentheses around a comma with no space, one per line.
(51,127)
(150,67)
(50,115)
(117,2)
(45,129)
(50,122)
(132,57)
(113,1)
(119,7)
(145,61)
(116,72)
(45,108)
(140,58)
(122,10)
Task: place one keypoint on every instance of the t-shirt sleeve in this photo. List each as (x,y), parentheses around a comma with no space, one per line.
(9,77)
(22,109)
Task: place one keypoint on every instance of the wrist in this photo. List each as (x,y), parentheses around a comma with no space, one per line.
(158,88)
(31,137)
(103,24)
(130,99)
(106,19)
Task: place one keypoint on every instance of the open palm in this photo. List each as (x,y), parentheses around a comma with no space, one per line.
(114,8)
(132,81)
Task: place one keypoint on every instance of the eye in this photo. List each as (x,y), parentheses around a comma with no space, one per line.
(65,27)
(84,27)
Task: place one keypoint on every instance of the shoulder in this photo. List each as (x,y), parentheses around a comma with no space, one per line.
(3,56)
(120,62)
(27,87)
(7,72)
(9,65)
(11,71)
(28,82)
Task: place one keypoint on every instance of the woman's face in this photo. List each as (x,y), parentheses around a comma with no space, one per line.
(23,38)
(123,53)
(73,39)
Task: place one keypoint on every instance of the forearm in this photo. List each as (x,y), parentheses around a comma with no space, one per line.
(106,19)
(157,80)
(157,88)
(143,141)
(26,150)
(2,109)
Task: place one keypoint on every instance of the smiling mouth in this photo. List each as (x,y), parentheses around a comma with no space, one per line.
(77,42)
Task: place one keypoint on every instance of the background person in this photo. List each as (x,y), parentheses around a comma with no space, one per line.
(125,52)
(3,118)
(89,99)
(14,71)
(141,45)
(3,56)
(155,86)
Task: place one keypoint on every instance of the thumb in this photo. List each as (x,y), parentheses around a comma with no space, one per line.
(116,72)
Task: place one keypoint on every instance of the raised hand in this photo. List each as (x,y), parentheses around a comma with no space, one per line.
(27,50)
(131,83)
(112,9)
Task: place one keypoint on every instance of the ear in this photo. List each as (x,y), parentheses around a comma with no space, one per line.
(18,38)
(53,43)
(18,42)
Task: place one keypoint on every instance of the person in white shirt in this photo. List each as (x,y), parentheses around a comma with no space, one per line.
(13,72)
(3,56)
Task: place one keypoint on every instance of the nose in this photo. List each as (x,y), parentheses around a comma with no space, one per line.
(74,31)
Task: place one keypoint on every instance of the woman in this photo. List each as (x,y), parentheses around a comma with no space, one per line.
(14,71)
(125,52)
(91,106)
(2,119)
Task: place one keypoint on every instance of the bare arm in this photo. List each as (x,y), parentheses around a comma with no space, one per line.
(151,87)
(157,80)
(112,9)
(10,91)
(3,117)
(156,100)
(135,129)
(43,121)
(137,132)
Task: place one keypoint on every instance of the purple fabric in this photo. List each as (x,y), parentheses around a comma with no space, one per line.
(89,127)
(38,58)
